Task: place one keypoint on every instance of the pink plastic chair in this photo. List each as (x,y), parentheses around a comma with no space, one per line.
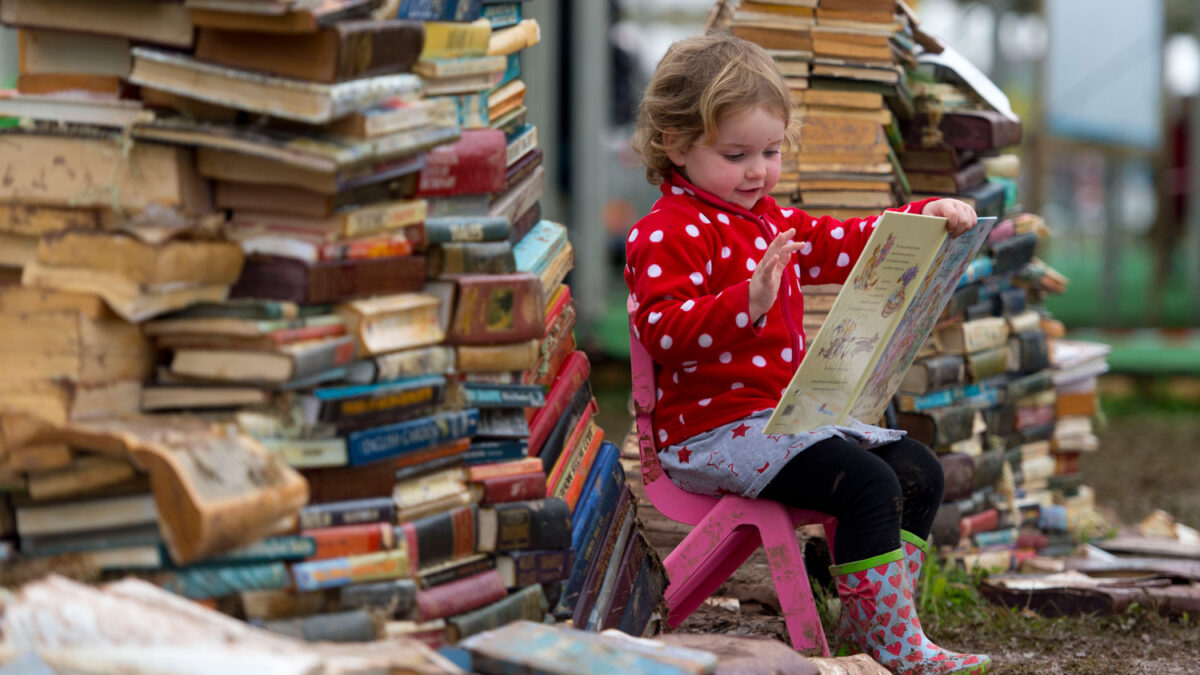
(728,530)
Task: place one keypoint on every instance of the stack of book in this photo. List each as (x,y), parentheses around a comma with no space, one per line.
(984,396)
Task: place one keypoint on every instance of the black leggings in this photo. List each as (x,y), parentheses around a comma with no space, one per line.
(873,493)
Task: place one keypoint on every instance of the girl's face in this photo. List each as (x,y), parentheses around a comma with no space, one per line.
(742,163)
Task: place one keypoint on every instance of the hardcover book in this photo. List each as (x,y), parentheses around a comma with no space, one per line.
(894,295)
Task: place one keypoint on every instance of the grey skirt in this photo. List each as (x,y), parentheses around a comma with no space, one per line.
(738,458)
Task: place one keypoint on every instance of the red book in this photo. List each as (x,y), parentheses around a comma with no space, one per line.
(571,376)
(456,447)
(287,336)
(476,163)
(514,488)
(348,540)
(575,487)
(460,596)
(481,472)
(984,521)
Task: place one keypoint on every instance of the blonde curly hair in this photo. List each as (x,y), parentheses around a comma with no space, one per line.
(698,82)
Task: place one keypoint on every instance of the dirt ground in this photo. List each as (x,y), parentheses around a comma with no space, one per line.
(1146,462)
(1148,459)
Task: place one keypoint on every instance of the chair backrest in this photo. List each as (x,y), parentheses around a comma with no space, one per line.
(671,500)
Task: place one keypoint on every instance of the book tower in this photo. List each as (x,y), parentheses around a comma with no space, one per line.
(289,334)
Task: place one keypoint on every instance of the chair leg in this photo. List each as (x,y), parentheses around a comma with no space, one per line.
(698,566)
(795,592)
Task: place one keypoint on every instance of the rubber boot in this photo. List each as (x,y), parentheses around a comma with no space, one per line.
(877,601)
(915,550)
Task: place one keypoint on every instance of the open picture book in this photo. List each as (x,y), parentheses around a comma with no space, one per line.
(878,323)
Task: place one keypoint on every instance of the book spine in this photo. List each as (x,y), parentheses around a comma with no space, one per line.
(390,217)
(466,229)
(571,378)
(474,164)
(646,598)
(449,40)
(534,524)
(513,488)
(375,48)
(347,513)
(486,452)
(215,582)
(394,440)
(460,596)
(396,598)
(527,604)
(430,465)
(455,570)
(349,540)
(617,531)
(631,563)
(497,308)
(446,10)
(323,356)
(539,567)
(353,625)
(503,395)
(521,144)
(499,469)
(343,483)
(985,521)
(475,257)
(558,441)
(432,360)
(575,483)
(386,398)
(337,572)
(571,458)
(336,280)
(503,14)
(503,358)
(271,549)
(440,537)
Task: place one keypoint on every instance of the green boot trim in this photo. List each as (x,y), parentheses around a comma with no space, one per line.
(869,563)
(913,539)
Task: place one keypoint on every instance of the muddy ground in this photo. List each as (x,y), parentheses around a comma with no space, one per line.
(1149,459)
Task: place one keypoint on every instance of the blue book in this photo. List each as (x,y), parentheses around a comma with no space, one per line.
(486,452)
(214,582)
(588,533)
(479,395)
(607,454)
(439,10)
(271,549)
(334,404)
(350,512)
(512,71)
(978,269)
(503,15)
(393,440)
(539,246)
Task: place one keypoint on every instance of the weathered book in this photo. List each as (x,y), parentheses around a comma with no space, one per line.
(523,526)
(477,395)
(987,363)
(347,540)
(394,217)
(646,600)
(1028,352)
(76,478)
(288,363)
(597,590)
(949,182)
(355,625)
(378,510)
(632,561)
(1013,253)
(133,301)
(70,345)
(979,130)
(885,318)
(566,481)
(198,262)
(474,257)
(466,229)
(337,572)
(522,568)
(54,519)
(202,510)
(396,598)
(293,280)
(214,582)
(346,50)
(452,10)
(938,426)
(514,38)
(324,194)
(58,401)
(935,372)
(297,100)
(972,336)
(526,646)
(394,440)
(526,604)
(486,451)
(513,356)
(430,360)
(475,163)
(395,322)
(167,23)
(573,418)
(497,308)
(455,570)
(307,17)
(440,537)
(959,472)
(463,595)
(512,488)
(359,406)
(430,493)
(331,484)
(452,40)
(440,456)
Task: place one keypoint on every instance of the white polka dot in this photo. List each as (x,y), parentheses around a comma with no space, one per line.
(725,252)
(654,317)
(692,230)
(637,333)
(805,247)
(725,357)
(689,191)
(689,369)
(774,230)
(796,269)
(787,213)
(843,260)
(696,278)
(705,340)
(786,354)
(760,243)
(723,218)
(654,271)
(656,236)
(658,395)
(703,218)
(742,319)
(750,264)
(759,361)
(676,189)
(736,385)
(814,271)
(874,221)
(862,226)
(783,392)
(675,377)
(666,342)
(681,419)
(708,268)
(837,233)
(633,234)
(703,403)
(687,306)
(662,436)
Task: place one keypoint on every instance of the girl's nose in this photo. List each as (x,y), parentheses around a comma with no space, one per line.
(756,168)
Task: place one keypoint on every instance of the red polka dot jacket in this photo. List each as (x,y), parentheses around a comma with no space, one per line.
(689,263)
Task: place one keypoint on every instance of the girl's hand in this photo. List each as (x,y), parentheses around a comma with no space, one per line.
(959,216)
(764,284)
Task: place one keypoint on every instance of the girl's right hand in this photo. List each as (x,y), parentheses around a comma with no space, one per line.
(764,283)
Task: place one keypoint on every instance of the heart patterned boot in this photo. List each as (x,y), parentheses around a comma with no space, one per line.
(877,605)
(915,550)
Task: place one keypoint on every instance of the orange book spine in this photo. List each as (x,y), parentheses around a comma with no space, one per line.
(350,540)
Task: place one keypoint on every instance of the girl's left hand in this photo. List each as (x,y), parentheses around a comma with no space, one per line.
(959,216)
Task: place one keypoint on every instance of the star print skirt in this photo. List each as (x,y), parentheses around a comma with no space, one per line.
(738,458)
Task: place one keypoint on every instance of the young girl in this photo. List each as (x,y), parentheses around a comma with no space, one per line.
(714,273)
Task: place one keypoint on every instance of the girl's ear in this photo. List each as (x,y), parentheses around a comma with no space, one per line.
(674,153)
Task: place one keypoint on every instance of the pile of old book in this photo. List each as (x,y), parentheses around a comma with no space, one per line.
(280,244)
(839,62)
(1006,402)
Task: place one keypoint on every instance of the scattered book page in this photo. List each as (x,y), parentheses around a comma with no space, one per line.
(881,317)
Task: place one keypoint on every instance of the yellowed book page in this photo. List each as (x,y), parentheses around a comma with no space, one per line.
(871,302)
